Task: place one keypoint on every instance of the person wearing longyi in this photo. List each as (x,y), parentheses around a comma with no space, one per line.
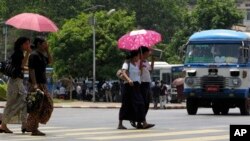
(38,61)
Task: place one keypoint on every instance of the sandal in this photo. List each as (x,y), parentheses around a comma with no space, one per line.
(148,126)
(133,123)
(37,133)
(6,131)
(121,127)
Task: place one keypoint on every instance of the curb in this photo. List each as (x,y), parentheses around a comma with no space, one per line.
(108,107)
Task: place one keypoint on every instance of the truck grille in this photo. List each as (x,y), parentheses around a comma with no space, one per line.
(213,81)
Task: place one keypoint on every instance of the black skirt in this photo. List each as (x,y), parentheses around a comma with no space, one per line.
(133,107)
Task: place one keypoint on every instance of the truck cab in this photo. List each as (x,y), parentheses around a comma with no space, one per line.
(217,71)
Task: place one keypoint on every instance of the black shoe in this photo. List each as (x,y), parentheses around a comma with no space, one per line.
(5,131)
(133,123)
(139,126)
(148,126)
(24,130)
(38,133)
(121,127)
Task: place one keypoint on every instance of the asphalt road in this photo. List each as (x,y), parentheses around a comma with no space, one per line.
(75,124)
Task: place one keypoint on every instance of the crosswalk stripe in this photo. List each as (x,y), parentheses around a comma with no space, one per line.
(106,132)
(205,138)
(76,130)
(42,128)
(33,138)
(143,135)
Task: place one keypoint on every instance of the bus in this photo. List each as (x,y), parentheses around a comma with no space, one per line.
(168,73)
(217,66)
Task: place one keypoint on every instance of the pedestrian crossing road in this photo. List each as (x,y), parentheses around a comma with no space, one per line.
(112,134)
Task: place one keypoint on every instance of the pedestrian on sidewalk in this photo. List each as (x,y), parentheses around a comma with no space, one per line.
(16,92)
(133,107)
(156,90)
(38,61)
(79,92)
(107,86)
(163,95)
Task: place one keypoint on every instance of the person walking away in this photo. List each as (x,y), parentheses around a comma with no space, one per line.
(132,108)
(62,92)
(16,92)
(38,60)
(79,92)
(145,68)
(56,92)
(107,88)
(163,93)
(84,89)
(156,93)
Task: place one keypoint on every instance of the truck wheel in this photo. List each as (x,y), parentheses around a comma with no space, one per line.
(216,110)
(191,107)
(224,110)
(244,107)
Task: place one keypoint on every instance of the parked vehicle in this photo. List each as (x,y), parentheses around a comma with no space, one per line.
(217,65)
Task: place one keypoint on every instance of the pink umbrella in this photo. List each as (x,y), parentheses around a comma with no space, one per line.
(32,21)
(136,38)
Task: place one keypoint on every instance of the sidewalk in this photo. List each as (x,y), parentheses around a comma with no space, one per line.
(81,104)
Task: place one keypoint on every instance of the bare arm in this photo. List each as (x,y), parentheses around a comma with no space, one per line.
(50,59)
(25,61)
(125,74)
(152,63)
(33,78)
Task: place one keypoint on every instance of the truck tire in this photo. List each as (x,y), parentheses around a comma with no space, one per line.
(244,107)
(220,109)
(224,110)
(216,110)
(192,106)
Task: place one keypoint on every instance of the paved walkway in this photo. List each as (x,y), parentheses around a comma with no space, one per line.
(81,104)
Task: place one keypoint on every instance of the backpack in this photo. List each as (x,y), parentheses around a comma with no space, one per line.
(107,86)
(7,68)
(119,73)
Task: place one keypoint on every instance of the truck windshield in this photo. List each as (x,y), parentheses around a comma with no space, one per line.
(212,53)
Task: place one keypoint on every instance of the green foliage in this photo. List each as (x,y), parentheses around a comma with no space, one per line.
(212,14)
(72,46)
(207,14)
(3,91)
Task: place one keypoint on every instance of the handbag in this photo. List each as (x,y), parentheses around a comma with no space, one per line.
(119,72)
(34,100)
(7,68)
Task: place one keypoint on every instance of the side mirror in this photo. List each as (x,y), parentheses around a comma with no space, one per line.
(243,58)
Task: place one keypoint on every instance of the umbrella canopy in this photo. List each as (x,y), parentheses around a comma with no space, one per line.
(136,38)
(32,21)
(178,81)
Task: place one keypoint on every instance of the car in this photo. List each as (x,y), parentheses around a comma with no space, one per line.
(3,90)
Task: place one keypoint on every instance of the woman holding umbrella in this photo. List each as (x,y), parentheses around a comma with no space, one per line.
(132,108)
(38,60)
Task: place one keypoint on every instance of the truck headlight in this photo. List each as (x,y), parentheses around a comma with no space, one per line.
(189,81)
(236,82)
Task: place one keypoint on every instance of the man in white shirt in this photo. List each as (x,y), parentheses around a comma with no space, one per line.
(79,92)
(107,87)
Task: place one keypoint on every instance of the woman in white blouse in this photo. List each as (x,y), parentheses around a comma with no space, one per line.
(133,107)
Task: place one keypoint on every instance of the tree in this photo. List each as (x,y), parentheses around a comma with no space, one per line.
(207,14)
(212,14)
(72,45)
